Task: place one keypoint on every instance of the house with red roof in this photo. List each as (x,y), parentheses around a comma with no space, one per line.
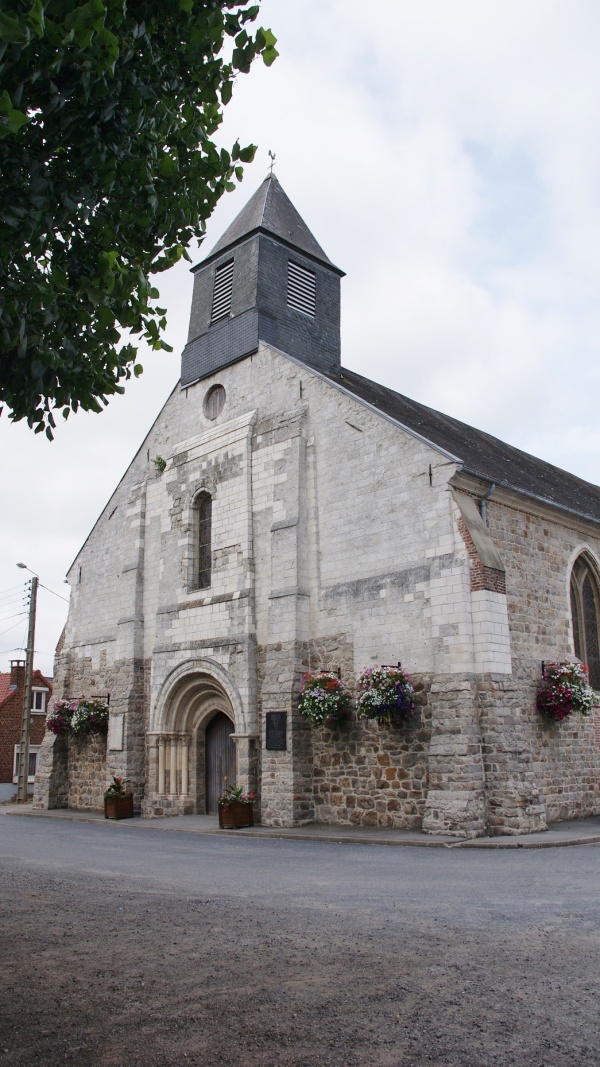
(12,685)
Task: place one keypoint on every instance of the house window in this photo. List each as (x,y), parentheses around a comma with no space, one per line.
(38,702)
(585,614)
(33,762)
(301,289)
(221,305)
(204,526)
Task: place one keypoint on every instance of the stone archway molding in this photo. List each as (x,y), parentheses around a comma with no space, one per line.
(191,693)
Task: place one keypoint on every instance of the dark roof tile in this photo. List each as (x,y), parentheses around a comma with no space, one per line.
(479,452)
(270,210)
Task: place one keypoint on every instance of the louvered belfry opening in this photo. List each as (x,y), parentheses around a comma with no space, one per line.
(221,305)
(301,289)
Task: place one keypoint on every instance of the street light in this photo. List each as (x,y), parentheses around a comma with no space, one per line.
(23,772)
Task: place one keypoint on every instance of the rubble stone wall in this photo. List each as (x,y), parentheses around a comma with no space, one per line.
(367,774)
(87,772)
(525,756)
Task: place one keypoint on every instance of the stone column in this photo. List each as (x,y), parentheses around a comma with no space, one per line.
(173,767)
(185,766)
(161,766)
(287,790)
(247,761)
(130,673)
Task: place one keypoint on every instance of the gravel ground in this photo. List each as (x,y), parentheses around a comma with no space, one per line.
(124,950)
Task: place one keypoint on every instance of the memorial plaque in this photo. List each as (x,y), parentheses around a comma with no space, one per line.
(115,733)
(277,731)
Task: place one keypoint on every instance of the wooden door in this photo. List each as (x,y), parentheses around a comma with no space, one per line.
(220,759)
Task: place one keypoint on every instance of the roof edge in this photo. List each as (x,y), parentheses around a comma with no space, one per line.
(529,495)
(370,407)
(124,475)
(274,237)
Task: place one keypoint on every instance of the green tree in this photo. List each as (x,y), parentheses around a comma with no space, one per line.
(108,169)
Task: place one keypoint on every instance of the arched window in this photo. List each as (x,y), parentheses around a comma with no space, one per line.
(204,542)
(585,613)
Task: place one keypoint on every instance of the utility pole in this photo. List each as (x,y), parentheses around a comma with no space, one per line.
(26,714)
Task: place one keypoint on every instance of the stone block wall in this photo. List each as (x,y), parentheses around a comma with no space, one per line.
(538,546)
(366,774)
(51,789)
(87,772)
(536,772)
(560,762)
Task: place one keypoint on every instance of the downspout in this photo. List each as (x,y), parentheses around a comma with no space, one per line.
(482,503)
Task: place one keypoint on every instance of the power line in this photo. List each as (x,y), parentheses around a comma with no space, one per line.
(10,627)
(17,615)
(12,597)
(12,589)
(55,594)
(12,605)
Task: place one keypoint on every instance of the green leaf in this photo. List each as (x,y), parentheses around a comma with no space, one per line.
(11,119)
(86,17)
(13,31)
(247,154)
(35,18)
(269,56)
(265,38)
(109,43)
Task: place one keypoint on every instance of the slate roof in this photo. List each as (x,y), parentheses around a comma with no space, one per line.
(479,452)
(271,211)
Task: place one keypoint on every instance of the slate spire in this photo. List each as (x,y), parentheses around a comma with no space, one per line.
(267,279)
(271,211)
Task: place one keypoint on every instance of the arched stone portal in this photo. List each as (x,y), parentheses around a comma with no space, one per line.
(192,697)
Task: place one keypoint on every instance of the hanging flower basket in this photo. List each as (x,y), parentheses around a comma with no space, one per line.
(566,689)
(386,695)
(58,719)
(324,696)
(82,716)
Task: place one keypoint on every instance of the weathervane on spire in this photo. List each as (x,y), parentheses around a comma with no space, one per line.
(272,155)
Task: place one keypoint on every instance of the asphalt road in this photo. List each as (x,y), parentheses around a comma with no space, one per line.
(140,948)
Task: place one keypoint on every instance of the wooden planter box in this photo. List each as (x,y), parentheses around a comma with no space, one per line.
(235,815)
(119,807)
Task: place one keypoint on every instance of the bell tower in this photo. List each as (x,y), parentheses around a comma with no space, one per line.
(267,279)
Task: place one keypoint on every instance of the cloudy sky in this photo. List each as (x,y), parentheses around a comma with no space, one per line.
(447,157)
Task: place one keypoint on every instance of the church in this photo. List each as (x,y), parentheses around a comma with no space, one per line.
(286,515)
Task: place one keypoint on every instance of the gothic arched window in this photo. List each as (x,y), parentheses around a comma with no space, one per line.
(204,539)
(585,613)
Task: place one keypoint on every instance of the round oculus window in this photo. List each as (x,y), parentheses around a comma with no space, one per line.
(214,401)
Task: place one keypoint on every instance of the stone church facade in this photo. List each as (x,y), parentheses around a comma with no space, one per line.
(307,518)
